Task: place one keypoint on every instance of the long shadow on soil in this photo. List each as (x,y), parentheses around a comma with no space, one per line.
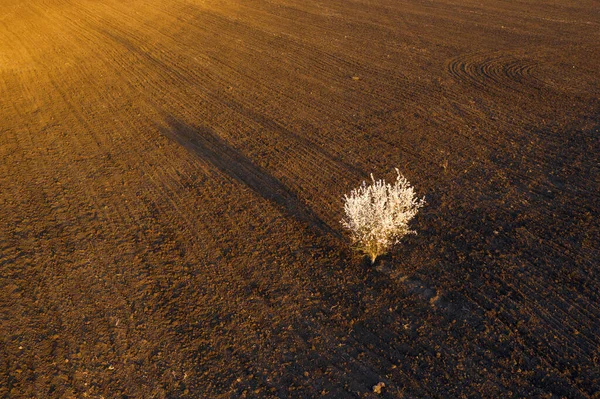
(208,146)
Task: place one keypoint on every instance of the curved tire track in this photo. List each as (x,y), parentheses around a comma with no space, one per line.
(491,71)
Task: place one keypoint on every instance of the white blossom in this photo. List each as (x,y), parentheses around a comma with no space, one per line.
(377,214)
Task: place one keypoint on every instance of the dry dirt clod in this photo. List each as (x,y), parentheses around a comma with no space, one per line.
(377,388)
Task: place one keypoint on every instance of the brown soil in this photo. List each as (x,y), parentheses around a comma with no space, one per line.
(172,174)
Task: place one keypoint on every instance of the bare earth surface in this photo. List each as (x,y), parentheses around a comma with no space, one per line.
(171,182)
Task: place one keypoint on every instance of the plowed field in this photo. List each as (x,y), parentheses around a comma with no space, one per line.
(171,183)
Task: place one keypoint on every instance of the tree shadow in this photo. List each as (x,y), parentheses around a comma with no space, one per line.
(205,144)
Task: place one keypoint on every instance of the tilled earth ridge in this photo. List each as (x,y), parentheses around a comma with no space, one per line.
(172,175)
